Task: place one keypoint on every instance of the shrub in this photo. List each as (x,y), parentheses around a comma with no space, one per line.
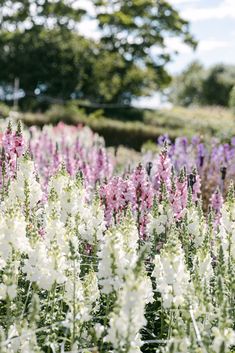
(232,100)
(4,110)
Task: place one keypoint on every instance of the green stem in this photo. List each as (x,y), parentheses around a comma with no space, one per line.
(26,300)
(74,304)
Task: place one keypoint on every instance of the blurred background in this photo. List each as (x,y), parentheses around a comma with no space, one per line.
(130,69)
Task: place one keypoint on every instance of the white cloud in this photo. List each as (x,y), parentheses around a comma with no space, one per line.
(207,45)
(175,44)
(179,2)
(225,9)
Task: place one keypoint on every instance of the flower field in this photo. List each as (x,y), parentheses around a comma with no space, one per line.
(98,259)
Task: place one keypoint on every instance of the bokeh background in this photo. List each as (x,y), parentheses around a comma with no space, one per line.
(130,69)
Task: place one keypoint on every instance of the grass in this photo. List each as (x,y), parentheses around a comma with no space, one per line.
(147,126)
(208,121)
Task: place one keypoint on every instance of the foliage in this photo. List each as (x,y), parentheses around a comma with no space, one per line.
(134,29)
(23,15)
(232,99)
(117,81)
(4,110)
(187,88)
(41,45)
(50,62)
(115,132)
(148,125)
(198,86)
(218,84)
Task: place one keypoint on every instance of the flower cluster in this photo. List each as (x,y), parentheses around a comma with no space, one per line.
(95,261)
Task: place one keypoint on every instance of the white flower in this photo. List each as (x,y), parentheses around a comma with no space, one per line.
(128,316)
(160,223)
(12,235)
(25,176)
(59,182)
(91,223)
(172,276)
(118,255)
(12,291)
(43,268)
(196,227)
(3,291)
(202,264)
(99,329)
(225,337)
(91,289)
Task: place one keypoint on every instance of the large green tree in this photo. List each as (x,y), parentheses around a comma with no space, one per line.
(187,88)
(218,85)
(199,86)
(26,14)
(52,61)
(137,31)
(40,43)
(40,46)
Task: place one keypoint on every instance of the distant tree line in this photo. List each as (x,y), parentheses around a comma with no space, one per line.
(197,85)
(41,45)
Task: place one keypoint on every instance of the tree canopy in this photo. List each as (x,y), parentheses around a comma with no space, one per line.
(199,86)
(41,44)
(27,14)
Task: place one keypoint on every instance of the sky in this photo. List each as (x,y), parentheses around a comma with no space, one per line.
(213,25)
(212,22)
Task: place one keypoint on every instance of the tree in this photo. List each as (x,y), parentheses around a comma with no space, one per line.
(26,14)
(53,62)
(116,81)
(40,44)
(196,85)
(134,29)
(187,88)
(218,84)
(232,99)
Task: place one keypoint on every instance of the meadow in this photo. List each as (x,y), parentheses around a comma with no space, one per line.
(102,256)
(132,127)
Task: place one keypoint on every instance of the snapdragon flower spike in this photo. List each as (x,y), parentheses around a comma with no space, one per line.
(201,155)
(7,140)
(78,148)
(19,141)
(12,148)
(8,146)
(143,198)
(179,196)
(162,171)
(110,268)
(216,202)
(117,195)
(208,159)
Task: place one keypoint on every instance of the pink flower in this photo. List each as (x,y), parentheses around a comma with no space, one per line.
(117,195)
(179,197)
(7,141)
(143,198)
(19,144)
(163,171)
(216,202)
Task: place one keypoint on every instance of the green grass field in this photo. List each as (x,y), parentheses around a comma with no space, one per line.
(141,128)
